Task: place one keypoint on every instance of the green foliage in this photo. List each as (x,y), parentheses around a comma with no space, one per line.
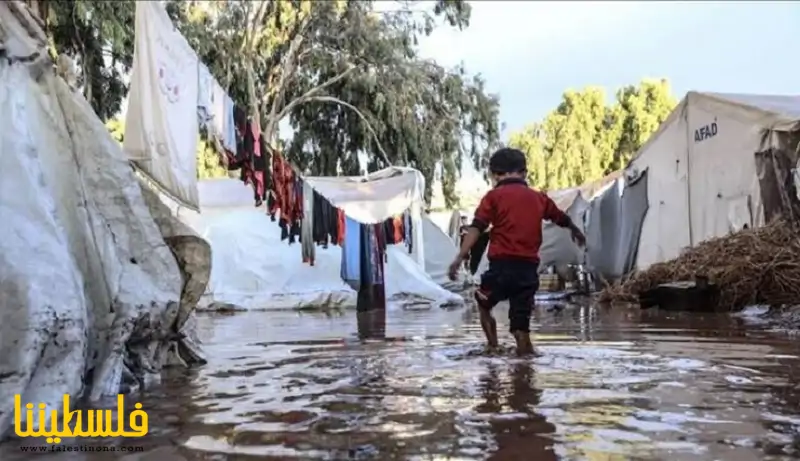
(347,77)
(98,35)
(350,81)
(208,162)
(583,139)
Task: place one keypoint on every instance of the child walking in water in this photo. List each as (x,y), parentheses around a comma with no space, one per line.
(515,213)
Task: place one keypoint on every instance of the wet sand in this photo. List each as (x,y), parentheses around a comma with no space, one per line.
(607,384)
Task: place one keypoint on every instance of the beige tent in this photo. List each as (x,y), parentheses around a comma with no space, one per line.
(712,169)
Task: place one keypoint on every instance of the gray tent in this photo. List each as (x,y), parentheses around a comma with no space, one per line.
(614,224)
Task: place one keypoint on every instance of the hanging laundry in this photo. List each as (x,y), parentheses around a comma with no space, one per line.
(307,227)
(228,135)
(326,221)
(407,229)
(218,115)
(351,253)
(271,205)
(382,240)
(381,256)
(398,234)
(319,233)
(260,173)
(341,226)
(387,228)
(371,293)
(205,86)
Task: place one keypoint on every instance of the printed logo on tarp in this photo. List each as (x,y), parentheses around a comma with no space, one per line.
(705,132)
(168,83)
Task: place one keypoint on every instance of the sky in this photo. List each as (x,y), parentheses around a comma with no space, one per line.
(529,52)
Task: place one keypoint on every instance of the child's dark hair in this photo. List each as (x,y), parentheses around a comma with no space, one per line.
(507,160)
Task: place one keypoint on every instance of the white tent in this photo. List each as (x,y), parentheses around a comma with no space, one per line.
(706,176)
(252,268)
(83,266)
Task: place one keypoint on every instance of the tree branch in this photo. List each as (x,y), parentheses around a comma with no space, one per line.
(313,91)
(363,118)
(286,69)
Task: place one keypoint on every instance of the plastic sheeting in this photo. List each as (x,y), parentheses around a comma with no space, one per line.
(86,276)
(615,224)
(440,252)
(161,126)
(253,269)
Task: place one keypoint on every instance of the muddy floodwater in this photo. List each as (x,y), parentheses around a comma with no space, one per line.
(608,384)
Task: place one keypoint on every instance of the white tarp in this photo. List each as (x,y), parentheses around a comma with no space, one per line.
(440,251)
(252,268)
(161,126)
(83,266)
(376,197)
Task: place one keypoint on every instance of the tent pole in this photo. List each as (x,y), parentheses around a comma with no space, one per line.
(689,148)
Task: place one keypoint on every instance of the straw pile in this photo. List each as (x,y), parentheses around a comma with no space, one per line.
(751,266)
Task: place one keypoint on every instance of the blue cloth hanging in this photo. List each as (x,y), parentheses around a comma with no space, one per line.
(351,253)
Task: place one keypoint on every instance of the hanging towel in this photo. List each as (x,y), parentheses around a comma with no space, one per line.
(228,125)
(351,254)
(205,85)
(307,226)
(218,112)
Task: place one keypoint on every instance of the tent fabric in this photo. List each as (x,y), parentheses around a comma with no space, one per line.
(615,222)
(440,252)
(253,269)
(83,266)
(454,227)
(373,198)
(161,130)
(702,168)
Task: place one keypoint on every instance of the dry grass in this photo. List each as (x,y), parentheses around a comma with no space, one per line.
(752,266)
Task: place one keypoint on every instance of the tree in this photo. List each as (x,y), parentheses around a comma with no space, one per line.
(348,77)
(350,81)
(98,35)
(582,140)
(640,111)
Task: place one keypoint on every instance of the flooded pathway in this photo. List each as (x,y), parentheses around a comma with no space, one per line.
(609,384)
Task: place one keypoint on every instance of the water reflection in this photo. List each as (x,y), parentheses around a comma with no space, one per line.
(510,404)
(609,383)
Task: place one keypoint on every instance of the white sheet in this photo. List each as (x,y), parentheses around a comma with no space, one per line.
(161,127)
(377,197)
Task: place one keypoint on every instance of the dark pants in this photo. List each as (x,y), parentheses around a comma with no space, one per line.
(512,280)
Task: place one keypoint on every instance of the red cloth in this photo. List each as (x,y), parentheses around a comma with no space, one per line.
(340,227)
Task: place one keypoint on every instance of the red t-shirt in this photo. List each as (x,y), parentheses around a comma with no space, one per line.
(515,212)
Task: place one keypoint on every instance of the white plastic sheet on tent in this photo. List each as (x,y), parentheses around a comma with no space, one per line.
(702,166)
(440,251)
(82,264)
(161,126)
(253,269)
